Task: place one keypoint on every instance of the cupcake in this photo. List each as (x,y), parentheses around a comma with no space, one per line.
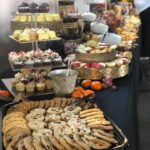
(47,62)
(40,86)
(44,8)
(23,8)
(18,76)
(20,87)
(49,84)
(38,62)
(57,61)
(29,63)
(30,87)
(33,8)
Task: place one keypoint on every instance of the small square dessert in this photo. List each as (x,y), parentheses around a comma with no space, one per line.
(38,63)
(57,61)
(47,62)
(18,64)
(29,63)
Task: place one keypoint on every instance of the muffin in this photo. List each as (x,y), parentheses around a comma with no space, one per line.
(57,61)
(40,86)
(33,8)
(23,8)
(44,8)
(49,84)
(38,62)
(30,87)
(20,87)
(29,63)
(47,62)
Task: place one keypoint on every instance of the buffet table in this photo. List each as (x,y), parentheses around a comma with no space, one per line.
(120,105)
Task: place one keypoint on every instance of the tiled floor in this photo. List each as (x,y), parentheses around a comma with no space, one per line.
(144,110)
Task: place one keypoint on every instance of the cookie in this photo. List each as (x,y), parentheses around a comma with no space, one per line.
(46,104)
(97,145)
(102,132)
(106,138)
(55,143)
(14,114)
(51,103)
(95,120)
(12,145)
(91,114)
(57,135)
(70,140)
(94,117)
(52,117)
(59,124)
(42,132)
(101,127)
(46,143)
(81,143)
(57,101)
(13,126)
(99,122)
(37,144)
(54,110)
(20,145)
(41,104)
(36,124)
(36,104)
(89,111)
(10,120)
(63,102)
(28,143)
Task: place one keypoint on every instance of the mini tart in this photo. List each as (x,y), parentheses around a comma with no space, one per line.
(40,86)
(20,87)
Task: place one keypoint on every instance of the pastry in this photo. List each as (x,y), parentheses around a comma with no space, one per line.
(33,8)
(20,87)
(16,34)
(24,37)
(44,7)
(33,35)
(29,63)
(40,18)
(42,35)
(40,86)
(30,87)
(47,62)
(23,8)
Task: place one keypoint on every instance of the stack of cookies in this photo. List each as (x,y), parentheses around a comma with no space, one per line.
(56,125)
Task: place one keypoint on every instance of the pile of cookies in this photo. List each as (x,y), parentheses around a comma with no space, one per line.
(56,125)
